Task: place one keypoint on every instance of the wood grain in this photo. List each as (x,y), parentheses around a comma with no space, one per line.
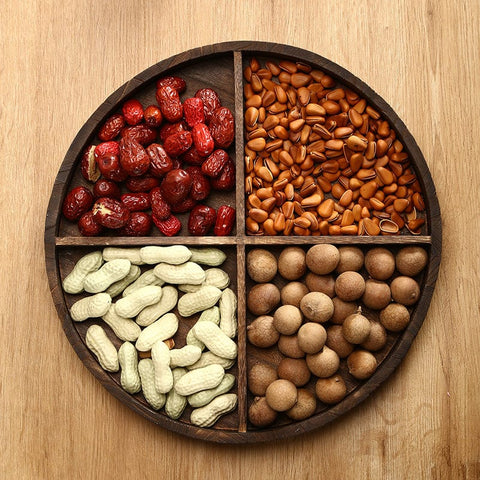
(61,61)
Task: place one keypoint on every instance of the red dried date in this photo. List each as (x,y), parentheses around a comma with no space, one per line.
(143,134)
(110,167)
(226,180)
(110,148)
(171,128)
(88,165)
(214,164)
(160,162)
(76,203)
(176,163)
(169,227)
(132,111)
(184,206)
(136,202)
(225,221)
(153,116)
(222,127)
(111,128)
(178,143)
(133,157)
(176,185)
(193,111)
(138,225)
(200,184)
(142,184)
(210,102)
(106,188)
(193,157)
(201,219)
(177,83)
(202,139)
(160,208)
(110,213)
(168,100)
(88,226)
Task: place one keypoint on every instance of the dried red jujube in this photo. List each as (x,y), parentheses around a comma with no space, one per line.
(88,227)
(178,143)
(177,83)
(104,148)
(160,162)
(110,213)
(143,134)
(169,227)
(142,184)
(136,202)
(226,180)
(215,163)
(111,128)
(133,157)
(110,167)
(170,128)
(200,184)
(138,225)
(222,127)
(192,157)
(169,102)
(176,185)
(201,220)
(132,111)
(76,203)
(210,101)
(160,208)
(106,188)
(193,111)
(153,116)
(202,139)
(225,220)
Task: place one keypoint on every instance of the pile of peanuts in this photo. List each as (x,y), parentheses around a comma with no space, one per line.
(143,311)
(320,161)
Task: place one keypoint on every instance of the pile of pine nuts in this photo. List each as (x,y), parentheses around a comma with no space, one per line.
(320,161)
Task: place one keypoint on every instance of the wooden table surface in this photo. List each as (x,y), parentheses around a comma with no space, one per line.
(60,60)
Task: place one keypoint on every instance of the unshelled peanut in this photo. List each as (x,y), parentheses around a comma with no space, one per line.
(129,376)
(73,282)
(175,404)
(146,370)
(101,346)
(200,379)
(209,414)
(161,362)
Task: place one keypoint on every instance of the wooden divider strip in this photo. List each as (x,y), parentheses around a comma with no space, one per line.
(340,240)
(240,207)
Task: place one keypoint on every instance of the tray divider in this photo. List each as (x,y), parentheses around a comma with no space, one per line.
(340,240)
(239,139)
(241,339)
(240,239)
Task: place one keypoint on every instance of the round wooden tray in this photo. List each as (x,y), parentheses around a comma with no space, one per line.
(220,66)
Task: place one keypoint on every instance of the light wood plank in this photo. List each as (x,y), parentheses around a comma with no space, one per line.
(60,60)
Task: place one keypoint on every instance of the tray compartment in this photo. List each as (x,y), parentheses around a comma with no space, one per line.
(272,356)
(216,72)
(342,83)
(77,330)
